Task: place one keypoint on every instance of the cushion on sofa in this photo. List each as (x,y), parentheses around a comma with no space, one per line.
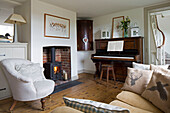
(137,80)
(90,106)
(137,101)
(158,67)
(140,66)
(158,91)
(132,109)
(65,109)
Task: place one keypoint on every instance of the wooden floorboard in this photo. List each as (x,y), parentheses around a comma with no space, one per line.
(91,88)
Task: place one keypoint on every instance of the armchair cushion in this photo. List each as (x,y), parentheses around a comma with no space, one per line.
(33,71)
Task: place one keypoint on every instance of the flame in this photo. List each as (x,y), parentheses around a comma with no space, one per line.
(55,69)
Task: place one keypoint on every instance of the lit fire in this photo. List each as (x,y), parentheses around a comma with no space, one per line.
(56,69)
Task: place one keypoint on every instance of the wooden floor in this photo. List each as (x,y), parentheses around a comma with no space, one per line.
(89,89)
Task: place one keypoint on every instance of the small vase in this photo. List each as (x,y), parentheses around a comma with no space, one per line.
(125,32)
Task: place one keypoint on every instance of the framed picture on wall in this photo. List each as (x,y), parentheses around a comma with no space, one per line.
(56,27)
(116,30)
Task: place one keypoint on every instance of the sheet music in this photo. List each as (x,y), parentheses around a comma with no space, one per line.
(115,45)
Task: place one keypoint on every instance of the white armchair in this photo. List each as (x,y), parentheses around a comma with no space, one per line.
(26,80)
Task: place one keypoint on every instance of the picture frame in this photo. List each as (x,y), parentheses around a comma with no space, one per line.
(134,31)
(105,34)
(56,27)
(116,31)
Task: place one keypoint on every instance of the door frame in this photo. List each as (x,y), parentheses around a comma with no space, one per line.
(147,11)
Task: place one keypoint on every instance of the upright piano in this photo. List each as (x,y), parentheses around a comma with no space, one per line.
(132,52)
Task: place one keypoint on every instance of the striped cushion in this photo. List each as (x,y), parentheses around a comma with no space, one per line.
(89,106)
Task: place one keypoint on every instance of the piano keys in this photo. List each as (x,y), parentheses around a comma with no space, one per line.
(132,52)
(113,58)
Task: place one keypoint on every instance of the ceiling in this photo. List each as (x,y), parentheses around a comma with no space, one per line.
(91,8)
(8,4)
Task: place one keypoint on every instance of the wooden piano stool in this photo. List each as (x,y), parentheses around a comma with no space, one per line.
(109,67)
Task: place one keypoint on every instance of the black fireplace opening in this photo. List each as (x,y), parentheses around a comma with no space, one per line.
(53,69)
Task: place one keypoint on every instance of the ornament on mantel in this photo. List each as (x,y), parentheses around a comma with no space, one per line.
(135,30)
(105,34)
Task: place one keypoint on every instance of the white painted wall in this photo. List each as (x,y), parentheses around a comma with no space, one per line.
(80,61)
(5,13)
(105,22)
(84,62)
(37,40)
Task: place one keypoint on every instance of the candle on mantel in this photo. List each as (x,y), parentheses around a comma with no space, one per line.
(65,74)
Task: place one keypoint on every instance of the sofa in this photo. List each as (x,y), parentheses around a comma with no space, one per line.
(126,99)
(145,87)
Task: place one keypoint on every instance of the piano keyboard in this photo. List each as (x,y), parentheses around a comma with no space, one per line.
(114,57)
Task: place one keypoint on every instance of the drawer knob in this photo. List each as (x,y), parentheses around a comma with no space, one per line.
(2,55)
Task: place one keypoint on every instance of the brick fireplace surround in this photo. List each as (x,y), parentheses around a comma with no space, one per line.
(62,54)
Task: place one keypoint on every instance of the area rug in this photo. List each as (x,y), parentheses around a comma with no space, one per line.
(67,85)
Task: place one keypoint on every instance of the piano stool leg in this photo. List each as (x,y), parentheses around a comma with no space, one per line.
(113,73)
(101,75)
(108,74)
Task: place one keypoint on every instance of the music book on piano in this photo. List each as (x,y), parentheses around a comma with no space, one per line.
(115,45)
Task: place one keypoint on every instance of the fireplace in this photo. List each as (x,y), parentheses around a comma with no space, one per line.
(53,71)
(57,63)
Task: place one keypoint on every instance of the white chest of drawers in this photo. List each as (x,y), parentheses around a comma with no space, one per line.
(10,50)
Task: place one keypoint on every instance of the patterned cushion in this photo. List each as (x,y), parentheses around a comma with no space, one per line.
(137,80)
(158,91)
(141,66)
(89,106)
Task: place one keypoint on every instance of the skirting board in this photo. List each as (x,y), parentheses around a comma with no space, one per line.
(74,78)
(86,71)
